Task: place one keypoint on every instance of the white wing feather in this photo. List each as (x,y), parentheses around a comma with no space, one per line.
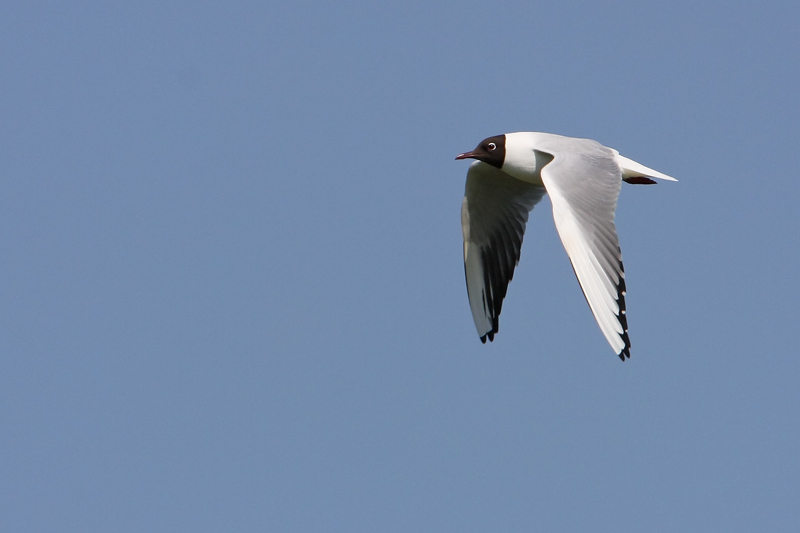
(583,187)
(493,217)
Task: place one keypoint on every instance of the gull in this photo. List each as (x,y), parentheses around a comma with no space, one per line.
(512,172)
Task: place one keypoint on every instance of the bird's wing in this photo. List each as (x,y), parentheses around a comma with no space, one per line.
(493,217)
(583,189)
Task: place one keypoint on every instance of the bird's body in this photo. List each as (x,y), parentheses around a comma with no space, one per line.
(583,178)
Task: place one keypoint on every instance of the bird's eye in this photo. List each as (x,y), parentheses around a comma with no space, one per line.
(491,146)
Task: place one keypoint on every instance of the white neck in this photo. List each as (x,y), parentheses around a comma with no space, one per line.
(522,160)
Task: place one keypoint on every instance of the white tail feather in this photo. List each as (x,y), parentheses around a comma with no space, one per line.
(632,169)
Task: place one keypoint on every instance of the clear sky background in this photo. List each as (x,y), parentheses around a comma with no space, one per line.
(231,283)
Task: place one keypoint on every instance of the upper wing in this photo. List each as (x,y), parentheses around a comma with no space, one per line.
(493,217)
(583,189)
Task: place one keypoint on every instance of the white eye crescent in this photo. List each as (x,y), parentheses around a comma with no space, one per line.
(491,147)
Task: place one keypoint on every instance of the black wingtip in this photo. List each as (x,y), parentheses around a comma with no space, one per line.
(622,316)
(626,352)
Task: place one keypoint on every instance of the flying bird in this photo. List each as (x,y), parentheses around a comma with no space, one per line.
(512,172)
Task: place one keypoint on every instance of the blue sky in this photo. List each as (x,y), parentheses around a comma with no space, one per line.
(232,293)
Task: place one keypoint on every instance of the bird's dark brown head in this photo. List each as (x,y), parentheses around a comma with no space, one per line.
(491,151)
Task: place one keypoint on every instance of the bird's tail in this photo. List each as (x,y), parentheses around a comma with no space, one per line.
(633,172)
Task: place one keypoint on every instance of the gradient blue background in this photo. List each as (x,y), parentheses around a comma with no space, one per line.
(231,284)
